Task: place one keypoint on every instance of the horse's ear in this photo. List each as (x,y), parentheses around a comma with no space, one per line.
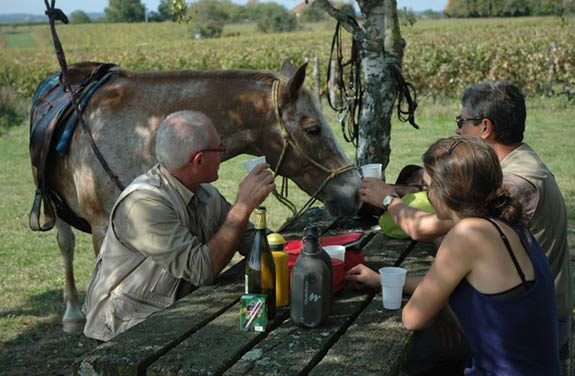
(288,69)
(296,82)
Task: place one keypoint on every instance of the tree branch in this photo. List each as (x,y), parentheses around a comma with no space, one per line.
(344,19)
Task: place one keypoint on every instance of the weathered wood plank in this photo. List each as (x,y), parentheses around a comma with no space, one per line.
(384,251)
(131,352)
(379,344)
(212,349)
(291,350)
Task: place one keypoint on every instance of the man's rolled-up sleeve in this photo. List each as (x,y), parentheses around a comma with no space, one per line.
(524,192)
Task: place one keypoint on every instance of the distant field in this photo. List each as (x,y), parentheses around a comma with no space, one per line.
(442,56)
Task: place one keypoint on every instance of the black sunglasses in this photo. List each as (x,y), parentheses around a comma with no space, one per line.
(461,121)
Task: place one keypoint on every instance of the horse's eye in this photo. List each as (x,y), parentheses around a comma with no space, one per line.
(312,129)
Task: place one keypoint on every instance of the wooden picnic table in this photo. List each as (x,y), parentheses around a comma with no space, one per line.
(200,334)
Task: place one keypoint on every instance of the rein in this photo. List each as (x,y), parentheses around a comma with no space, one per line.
(287,142)
(53,15)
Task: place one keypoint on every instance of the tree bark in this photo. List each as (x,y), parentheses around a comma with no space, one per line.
(381,50)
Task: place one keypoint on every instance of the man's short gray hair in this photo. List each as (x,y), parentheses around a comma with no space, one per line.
(180,135)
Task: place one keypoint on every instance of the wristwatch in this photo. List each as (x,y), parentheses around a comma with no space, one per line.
(387,200)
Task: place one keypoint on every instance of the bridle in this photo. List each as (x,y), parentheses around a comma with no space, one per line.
(287,142)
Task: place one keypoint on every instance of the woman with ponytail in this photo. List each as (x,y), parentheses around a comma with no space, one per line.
(489,270)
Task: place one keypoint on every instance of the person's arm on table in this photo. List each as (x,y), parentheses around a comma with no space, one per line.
(362,277)
(418,224)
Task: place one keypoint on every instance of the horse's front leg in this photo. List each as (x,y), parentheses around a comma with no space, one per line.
(73,320)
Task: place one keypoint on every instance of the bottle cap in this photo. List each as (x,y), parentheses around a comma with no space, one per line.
(259,218)
(276,239)
(311,232)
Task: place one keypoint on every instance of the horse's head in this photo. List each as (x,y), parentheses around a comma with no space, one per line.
(312,153)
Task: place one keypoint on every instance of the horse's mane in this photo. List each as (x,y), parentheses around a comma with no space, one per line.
(251,75)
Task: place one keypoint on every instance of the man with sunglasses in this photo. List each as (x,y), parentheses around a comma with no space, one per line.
(495,111)
(170,230)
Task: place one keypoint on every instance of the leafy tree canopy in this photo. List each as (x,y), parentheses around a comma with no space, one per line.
(166,10)
(207,18)
(125,11)
(508,8)
(79,16)
(273,17)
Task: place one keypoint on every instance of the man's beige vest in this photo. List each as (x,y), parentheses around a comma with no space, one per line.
(129,287)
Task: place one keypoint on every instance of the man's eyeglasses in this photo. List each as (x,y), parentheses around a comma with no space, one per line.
(461,121)
(221,149)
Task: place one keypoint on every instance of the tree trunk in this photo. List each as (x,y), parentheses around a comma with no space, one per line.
(381,50)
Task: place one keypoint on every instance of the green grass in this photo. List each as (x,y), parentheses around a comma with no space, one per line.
(19,40)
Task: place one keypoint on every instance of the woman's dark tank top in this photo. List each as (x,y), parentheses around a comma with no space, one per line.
(512,335)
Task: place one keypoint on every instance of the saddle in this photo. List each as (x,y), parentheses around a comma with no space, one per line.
(52,123)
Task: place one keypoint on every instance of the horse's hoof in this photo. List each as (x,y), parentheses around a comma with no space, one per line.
(73,326)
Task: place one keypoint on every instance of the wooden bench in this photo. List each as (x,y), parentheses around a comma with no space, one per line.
(200,335)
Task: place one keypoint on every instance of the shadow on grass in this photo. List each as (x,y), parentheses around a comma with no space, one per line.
(40,305)
(41,347)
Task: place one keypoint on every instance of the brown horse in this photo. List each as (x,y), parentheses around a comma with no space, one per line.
(125,112)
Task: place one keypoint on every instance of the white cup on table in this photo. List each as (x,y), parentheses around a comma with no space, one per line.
(392,281)
(250,164)
(372,170)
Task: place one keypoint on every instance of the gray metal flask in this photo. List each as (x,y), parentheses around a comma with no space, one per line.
(310,286)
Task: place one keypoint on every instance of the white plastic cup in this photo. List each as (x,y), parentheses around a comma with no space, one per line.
(249,165)
(335,251)
(372,170)
(392,281)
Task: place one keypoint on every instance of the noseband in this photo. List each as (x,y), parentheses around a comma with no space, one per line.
(287,142)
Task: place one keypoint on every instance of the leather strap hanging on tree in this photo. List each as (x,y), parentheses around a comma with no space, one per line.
(404,95)
(349,96)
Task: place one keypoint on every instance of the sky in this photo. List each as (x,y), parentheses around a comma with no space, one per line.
(68,6)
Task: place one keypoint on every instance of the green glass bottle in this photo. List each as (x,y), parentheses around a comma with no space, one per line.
(260,276)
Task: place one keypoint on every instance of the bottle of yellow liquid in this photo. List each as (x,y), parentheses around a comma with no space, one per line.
(260,271)
(277,242)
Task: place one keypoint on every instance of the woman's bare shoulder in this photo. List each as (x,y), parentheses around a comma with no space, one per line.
(468,235)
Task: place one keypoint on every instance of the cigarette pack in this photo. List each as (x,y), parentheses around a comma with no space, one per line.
(253,313)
